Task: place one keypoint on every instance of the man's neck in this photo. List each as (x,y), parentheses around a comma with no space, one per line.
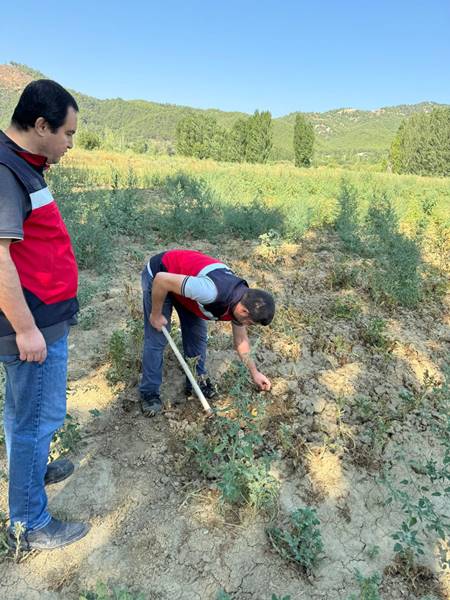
(24,139)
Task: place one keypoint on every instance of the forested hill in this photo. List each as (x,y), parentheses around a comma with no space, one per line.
(343,136)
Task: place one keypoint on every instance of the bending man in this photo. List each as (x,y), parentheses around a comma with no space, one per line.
(200,288)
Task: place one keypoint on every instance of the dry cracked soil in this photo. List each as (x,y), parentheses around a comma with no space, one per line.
(157,527)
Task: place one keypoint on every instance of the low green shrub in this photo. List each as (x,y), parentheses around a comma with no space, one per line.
(89,140)
(88,317)
(347,221)
(343,276)
(125,209)
(373,334)
(346,307)
(4,546)
(397,272)
(425,489)
(249,221)
(67,439)
(190,208)
(90,237)
(230,450)
(395,258)
(368,587)
(125,353)
(301,543)
(126,344)
(105,592)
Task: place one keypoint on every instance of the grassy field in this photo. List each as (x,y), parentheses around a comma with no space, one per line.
(279,184)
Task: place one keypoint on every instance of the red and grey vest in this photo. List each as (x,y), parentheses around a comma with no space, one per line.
(44,259)
(230,288)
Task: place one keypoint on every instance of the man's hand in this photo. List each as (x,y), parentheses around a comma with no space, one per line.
(158,321)
(29,339)
(261,381)
(32,346)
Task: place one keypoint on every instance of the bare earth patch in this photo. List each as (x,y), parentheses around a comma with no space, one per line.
(157,526)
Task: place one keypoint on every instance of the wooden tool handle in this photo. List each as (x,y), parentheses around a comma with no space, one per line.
(187,370)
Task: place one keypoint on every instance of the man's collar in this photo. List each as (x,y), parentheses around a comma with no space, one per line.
(36,160)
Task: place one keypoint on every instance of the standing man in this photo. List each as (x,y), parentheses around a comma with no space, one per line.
(200,288)
(38,286)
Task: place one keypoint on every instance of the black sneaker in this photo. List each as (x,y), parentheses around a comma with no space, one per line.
(58,470)
(205,384)
(151,404)
(54,535)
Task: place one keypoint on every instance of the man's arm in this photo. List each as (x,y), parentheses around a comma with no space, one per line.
(163,283)
(29,339)
(242,347)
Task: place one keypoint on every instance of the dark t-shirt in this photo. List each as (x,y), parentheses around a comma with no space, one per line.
(15,205)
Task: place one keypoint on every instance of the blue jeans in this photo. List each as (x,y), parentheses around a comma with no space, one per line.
(193,331)
(35,407)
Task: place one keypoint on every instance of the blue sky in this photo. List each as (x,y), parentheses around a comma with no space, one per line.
(280,55)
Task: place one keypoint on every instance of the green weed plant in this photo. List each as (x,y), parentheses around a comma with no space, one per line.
(192,208)
(373,334)
(124,354)
(125,345)
(397,273)
(347,221)
(395,258)
(4,546)
(66,440)
(374,420)
(345,307)
(368,587)
(300,543)
(424,399)
(105,592)
(343,276)
(88,317)
(231,449)
(425,490)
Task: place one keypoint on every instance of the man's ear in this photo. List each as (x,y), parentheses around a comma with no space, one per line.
(41,126)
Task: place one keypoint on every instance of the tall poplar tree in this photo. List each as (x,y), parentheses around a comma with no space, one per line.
(303,141)
(259,137)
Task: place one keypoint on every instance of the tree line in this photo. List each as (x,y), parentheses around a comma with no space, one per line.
(421,145)
(250,139)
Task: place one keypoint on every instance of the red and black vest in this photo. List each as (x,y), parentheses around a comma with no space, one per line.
(44,259)
(230,288)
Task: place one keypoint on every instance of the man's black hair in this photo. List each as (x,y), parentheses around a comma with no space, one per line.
(43,98)
(260,305)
